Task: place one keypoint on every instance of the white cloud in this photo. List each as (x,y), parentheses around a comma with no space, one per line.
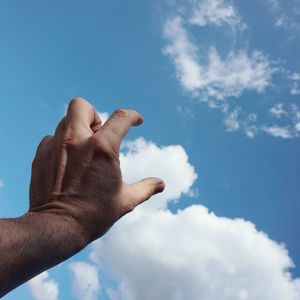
(43,288)
(297,126)
(287,115)
(295,90)
(231,120)
(277,131)
(183,53)
(291,128)
(218,78)
(193,255)
(278,111)
(295,76)
(86,284)
(103,116)
(236,119)
(140,158)
(1,184)
(295,87)
(215,12)
(250,131)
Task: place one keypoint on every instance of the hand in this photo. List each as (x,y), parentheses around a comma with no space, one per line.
(76,173)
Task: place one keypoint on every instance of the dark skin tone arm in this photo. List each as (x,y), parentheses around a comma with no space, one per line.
(76,194)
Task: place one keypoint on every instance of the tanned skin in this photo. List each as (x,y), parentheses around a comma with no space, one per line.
(76,194)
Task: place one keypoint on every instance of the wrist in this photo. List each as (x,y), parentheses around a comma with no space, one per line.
(57,228)
(80,219)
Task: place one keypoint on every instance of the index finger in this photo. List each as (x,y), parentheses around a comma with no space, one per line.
(118,124)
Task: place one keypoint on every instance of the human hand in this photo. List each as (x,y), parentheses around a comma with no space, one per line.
(76,173)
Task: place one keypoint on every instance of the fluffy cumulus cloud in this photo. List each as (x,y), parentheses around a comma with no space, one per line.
(1,184)
(193,255)
(188,254)
(141,158)
(86,284)
(218,78)
(43,288)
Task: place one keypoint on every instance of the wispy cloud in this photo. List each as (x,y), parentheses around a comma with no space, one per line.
(214,79)
(232,120)
(219,80)
(289,115)
(285,122)
(278,131)
(295,87)
(278,111)
(287,19)
(215,12)
(1,184)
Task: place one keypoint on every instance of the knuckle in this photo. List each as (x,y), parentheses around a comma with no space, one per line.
(133,116)
(46,139)
(103,148)
(43,150)
(44,142)
(68,142)
(61,126)
(121,113)
(95,142)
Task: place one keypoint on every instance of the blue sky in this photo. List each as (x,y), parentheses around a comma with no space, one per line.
(220,79)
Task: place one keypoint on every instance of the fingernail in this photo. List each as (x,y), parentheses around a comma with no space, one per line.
(160,186)
(140,121)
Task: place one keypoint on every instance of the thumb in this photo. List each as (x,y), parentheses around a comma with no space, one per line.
(141,191)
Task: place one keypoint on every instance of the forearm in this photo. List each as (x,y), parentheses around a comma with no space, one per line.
(33,243)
